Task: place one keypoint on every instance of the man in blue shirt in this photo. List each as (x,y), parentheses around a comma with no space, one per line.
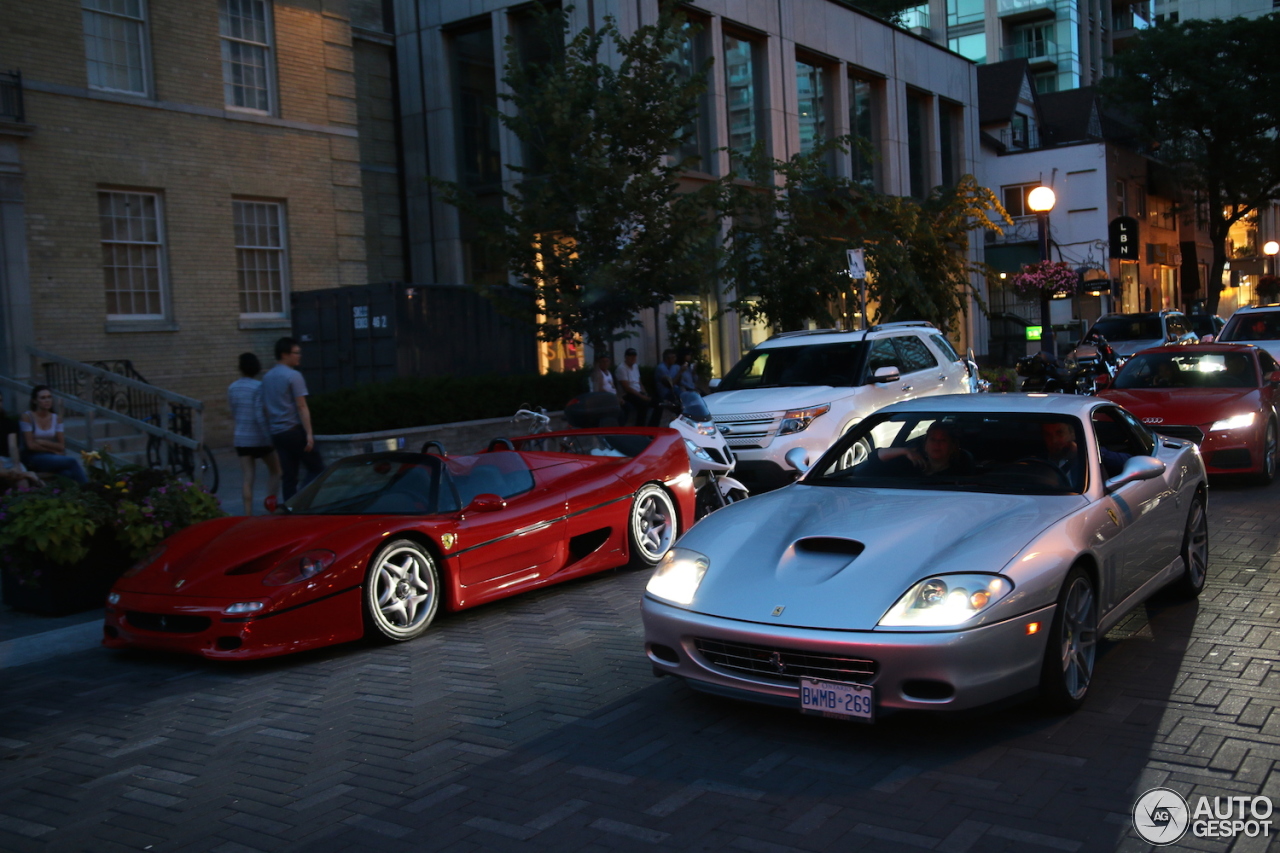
(284,394)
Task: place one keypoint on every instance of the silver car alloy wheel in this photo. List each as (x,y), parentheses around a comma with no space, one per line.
(1197,553)
(653,524)
(403,588)
(1079,639)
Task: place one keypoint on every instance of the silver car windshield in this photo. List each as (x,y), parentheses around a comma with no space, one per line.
(1006,453)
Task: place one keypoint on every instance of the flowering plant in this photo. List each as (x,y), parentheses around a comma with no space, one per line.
(1050,276)
(115,518)
(1268,288)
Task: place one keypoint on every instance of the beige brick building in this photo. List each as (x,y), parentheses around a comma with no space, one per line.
(174,170)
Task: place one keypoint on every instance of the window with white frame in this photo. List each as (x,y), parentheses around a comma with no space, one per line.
(1014,198)
(115,44)
(132,255)
(245,26)
(261,258)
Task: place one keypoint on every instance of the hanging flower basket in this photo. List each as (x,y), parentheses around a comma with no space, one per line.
(1046,277)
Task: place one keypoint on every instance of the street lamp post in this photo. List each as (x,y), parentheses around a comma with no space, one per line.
(1270,248)
(1041,201)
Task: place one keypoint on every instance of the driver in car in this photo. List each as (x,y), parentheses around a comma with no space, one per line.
(1062,451)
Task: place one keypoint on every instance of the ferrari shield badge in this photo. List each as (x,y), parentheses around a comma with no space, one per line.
(1111,512)
(447,540)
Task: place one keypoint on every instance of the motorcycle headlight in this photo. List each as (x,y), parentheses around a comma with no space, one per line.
(301,568)
(697,451)
(678,575)
(946,601)
(701,427)
(797,420)
(1237,422)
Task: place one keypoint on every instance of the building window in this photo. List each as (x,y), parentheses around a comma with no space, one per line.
(261,259)
(1122,208)
(1140,202)
(245,26)
(115,44)
(864,125)
(950,136)
(811,98)
(743,94)
(476,103)
(540,46)
(972,46)
(688,59)
(1014,197)
(917,149)
(964,11)
(1046,82)
(132,255)
(1031,41)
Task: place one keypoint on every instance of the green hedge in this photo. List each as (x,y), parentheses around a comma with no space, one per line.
(414,402)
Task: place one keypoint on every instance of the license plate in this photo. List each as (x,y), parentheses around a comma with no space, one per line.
(837,699)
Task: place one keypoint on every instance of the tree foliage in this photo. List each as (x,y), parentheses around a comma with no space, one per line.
(597,227)
(1204,93)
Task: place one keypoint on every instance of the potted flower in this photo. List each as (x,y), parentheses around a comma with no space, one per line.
(64,545)
(1045,278)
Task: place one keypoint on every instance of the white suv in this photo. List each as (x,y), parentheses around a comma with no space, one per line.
(806,389)
(1254,324)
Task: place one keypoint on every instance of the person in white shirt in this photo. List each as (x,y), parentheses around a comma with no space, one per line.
(631,390)
(601,377)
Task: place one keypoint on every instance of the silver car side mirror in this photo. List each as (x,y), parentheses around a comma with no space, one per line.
(715,383)
(798,458)
(1136,468)
(884,375)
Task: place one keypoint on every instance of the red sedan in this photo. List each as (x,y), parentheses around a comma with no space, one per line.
(380,542)
(1222,396)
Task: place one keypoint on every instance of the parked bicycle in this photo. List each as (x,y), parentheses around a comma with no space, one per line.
(198,466)
(531,421)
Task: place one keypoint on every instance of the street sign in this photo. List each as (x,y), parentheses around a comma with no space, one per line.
(1034,333)
(857,266)
(1123,232)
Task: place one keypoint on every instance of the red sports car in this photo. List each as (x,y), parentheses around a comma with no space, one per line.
(1222,396)
(380,542)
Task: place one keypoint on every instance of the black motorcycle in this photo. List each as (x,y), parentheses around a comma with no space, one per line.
(1043,372)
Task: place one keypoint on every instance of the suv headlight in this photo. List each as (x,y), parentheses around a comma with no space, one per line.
(1237,422)
(946,601)
(678,575)
(798,420)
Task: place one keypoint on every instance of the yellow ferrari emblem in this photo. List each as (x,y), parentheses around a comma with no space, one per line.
(447,540)
(1111,512)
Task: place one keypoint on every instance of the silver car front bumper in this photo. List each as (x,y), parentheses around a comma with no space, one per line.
(952,670)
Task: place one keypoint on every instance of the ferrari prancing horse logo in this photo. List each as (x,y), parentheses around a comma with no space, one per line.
(1111,512)
(447,540)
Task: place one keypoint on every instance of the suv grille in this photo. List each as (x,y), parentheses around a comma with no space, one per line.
(754,430)
(1189,433)
(785,665)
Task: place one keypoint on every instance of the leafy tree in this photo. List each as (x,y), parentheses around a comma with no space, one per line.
(598,228)
(793,222)
(1204,92)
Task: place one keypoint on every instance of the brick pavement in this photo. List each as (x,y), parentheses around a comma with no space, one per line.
(535,724)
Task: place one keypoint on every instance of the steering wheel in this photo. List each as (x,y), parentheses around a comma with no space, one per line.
(501,444)
(1063,479)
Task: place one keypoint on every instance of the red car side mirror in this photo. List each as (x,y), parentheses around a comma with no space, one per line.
(1274,377)
(486,503)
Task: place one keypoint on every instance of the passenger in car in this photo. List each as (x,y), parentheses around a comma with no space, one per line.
(939,452)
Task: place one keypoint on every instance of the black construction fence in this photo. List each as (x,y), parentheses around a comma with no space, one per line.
(376,332)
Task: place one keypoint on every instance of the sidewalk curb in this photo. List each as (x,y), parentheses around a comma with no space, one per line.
(50,644)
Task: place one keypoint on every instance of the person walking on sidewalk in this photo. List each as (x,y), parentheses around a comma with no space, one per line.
(252,436)
(284,395)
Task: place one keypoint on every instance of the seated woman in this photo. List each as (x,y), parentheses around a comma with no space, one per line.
(940,453)
(43,440)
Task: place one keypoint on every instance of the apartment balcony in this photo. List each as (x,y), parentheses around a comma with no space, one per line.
(915,19)
(1017,140)
(1129,18)
(1026,8)
(11,108)
(1039,54)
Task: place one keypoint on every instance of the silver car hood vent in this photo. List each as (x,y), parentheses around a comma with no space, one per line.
(817,559)
(829,545)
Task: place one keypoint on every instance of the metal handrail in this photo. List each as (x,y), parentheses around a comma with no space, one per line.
(91,411)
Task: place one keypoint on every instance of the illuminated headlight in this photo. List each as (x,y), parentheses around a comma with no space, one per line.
(697,451)
(295,569)
(113,598)
(797,420)
(678,575)
(1238,422)
(703,427)
(244,607)
(946,601)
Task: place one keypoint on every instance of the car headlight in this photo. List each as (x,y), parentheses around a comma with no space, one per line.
(1237,422)
(697,451)
(797,420)
(301,568)
(946,600)
(678,575)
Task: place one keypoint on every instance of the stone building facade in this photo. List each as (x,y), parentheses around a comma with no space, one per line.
(177,170)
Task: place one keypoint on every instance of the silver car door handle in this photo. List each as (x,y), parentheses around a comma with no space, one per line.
(942,378)
(906,387)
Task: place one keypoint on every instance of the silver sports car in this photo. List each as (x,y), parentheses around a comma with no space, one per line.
(946,553)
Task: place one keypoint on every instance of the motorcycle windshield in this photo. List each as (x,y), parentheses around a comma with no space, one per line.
(694,407)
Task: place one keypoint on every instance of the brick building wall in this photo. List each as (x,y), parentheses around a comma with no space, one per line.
(182,143)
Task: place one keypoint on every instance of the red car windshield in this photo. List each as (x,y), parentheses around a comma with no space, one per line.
(378,484)
(1189,370)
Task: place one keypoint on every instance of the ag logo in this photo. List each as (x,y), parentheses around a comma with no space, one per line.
(1161,816)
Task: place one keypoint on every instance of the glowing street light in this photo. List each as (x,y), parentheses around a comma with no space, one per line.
(1270,248)
(1041,200)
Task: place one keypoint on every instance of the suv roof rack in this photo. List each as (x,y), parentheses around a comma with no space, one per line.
(902,324)
(800,332)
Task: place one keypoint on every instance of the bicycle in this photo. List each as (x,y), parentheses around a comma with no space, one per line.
(531,421)
(198,466)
